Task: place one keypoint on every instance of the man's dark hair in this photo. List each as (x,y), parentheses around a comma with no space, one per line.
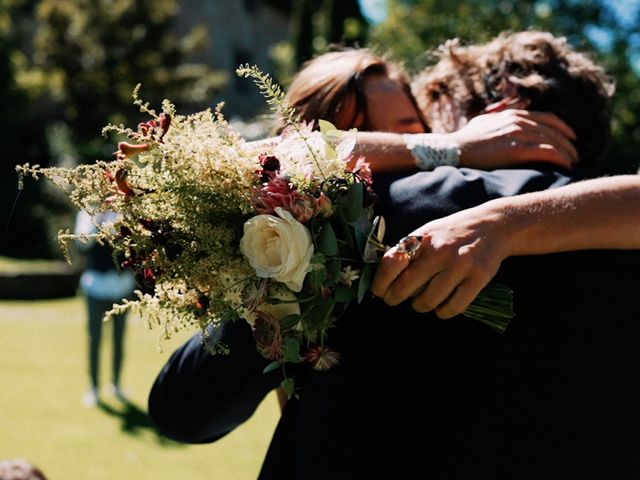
(542,70)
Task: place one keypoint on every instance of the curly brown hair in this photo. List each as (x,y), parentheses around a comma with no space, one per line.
(539,68)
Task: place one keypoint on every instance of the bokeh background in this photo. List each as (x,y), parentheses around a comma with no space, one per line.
(68,67)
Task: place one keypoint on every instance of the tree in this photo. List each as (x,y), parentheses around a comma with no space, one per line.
(73,68)
(94,53)
(22,231)
(320,23)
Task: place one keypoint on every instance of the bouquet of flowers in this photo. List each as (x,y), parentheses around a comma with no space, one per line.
(217,229)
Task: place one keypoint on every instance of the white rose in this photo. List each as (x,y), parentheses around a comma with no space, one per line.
(278,247)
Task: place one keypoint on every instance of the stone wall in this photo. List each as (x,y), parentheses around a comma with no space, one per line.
(240,32)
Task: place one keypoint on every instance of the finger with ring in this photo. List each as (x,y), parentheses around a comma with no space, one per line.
(410,246)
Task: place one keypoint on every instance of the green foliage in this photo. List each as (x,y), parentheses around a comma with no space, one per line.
(327,241)
(22,226)
(67,68)
(291,350)
(92,54)
(42,413)
(415,28)
(317,24)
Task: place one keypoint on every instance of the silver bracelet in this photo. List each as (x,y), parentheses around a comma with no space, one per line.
(431,150)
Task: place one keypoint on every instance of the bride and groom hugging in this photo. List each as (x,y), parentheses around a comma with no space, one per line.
(554,396)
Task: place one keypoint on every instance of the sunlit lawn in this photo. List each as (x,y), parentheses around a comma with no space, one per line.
(42,379)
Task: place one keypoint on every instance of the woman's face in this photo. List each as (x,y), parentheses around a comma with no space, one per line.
(388,107)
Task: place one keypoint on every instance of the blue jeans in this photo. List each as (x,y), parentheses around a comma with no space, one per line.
(96,310)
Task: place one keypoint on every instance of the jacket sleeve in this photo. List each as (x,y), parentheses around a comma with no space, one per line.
(408,202)
(199,397)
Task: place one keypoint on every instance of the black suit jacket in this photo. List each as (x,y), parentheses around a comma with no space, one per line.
(556,396)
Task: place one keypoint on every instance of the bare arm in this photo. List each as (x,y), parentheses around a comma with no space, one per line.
(462,252)
(488,141)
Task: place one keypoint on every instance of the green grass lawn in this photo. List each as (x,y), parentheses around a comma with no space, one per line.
(14,265)
(43,375)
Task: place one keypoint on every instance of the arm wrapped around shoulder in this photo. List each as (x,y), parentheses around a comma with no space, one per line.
(199,397)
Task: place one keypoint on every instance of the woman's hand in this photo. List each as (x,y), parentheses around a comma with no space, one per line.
(511,137)
(458,257)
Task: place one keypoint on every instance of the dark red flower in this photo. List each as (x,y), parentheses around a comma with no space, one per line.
(165,122)
(322,358)
(269,162)
(122,184)
(203,302)
(125,231)
(147,127)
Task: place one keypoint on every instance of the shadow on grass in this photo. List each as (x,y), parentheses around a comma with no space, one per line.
(135,421)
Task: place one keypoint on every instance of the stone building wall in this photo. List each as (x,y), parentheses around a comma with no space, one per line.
(241,31)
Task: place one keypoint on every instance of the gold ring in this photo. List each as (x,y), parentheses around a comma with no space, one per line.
(410,246)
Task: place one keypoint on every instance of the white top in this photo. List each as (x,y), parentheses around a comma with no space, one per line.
(108,285)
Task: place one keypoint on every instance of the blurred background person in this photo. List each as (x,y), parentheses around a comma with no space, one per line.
(103,285)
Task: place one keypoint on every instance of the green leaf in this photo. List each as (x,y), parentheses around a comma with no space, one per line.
(318,258)
(288,386)
(345,294)
(289,321)
(272,366)
(333,268)
(362,228)
(329,132)
(326,126)
(327,241)
(291,350)
(277,301)
(353,208)
(319,314)
(317,277)
(365,281)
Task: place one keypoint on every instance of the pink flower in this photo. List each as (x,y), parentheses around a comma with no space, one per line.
(324,206)
(322,358)
(362,170)
(279,192)
(147,129)
(127,150)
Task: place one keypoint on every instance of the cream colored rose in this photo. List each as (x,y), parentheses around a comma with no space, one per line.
(278,247)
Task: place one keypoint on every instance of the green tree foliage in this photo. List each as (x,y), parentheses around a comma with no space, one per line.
(69,67)
(21,137)
(320,23)
(93,53)
(414,28)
